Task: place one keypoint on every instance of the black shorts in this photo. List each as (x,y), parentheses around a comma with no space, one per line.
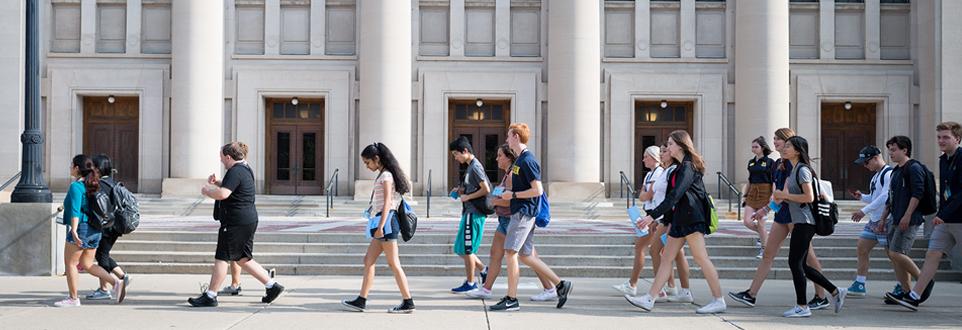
(235,242)
(680,231)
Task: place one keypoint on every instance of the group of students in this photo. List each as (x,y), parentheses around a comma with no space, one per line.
(677,212)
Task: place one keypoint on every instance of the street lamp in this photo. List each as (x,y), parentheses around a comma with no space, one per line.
(32,188)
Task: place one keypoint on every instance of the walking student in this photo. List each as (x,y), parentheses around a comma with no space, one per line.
(525,197)
(870,157)
(234,208)
(781,227)
(948,221)
(502,208)
(652,161)
(389,186)
(908,188)
(758,191)
(83,238)
(103,165)
(685,210)
(474,188)
(669,293)
(799,193)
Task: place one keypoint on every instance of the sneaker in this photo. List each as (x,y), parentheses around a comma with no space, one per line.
(644,302)
(798,312)
(68,302)
(479,293)
(203,301)
(683,296)
(546,295)
(758,242)
(563,289)
(356,305)
(761,253)
(230,290)
(716,306)
(909,303)
(465,287)
(406,307)
(626,288)
(484,275)
(662,296)
(818,303)
(838,300)
(272,293)
(857,290)
(99,294)
(744,297)
(927,292)
(120,291)
(891,298)
(506,304)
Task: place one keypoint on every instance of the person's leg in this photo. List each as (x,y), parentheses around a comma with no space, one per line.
(394,261)
(811,260)
(656,253)
(370,259)
(641,243)
(537,265)
(696,243)
(798,249)
(775,238)
(545,282)
(514,272)
(811,272)
(931,265)
(747,213)
(468,267)
(104,260)
(863,250)
(668,255)
(497,255)
(71,258)
(235,274)
(944,239)
(255,269)
(762,231)
(681,263)
(87,261)
(217,275)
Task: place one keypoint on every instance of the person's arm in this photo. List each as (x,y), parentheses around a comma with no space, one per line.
(952,205)
(73,201)
(684,180)
(806,179)
(881,195)
(917,182)
(222,190)
(535,191)
(481,193)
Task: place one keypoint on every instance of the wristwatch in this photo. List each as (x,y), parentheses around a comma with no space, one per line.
(514,195)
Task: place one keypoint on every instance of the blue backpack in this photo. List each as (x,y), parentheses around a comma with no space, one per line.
(544,212)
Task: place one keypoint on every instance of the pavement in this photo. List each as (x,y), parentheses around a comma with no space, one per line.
(312,302)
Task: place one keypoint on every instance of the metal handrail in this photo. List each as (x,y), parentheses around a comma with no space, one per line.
(630,200)
(430,191)
(731,188)
(10,181)
(331,187)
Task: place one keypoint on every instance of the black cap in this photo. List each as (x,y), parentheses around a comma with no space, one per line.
(867,153)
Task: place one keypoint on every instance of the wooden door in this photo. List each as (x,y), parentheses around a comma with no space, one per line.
(653,124)
(485,127)
(113,129)
(844,133)
(295,147)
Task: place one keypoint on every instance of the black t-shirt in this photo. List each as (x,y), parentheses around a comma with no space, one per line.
(760,170)
(525,170)
(238,208)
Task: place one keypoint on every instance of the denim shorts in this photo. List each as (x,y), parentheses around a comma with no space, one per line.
(503,225)
(392,236)
(89,237)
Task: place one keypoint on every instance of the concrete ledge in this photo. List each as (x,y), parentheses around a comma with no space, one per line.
(178,187)
(31,242)
(582,192)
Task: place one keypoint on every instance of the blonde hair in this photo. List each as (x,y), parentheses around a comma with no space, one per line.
(655,153)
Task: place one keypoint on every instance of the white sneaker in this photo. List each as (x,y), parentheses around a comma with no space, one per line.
(626,288)
(838,300)
(644,302)
(546,295)
(479,293)
(682,296)
(798,312)
(662,296)
(758,242)
(68,302)
(761,253)
(716,306)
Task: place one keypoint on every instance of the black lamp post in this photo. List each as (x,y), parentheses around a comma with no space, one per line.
(32,188)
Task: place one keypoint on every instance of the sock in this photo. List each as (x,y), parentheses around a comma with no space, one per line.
(211,294)
(550,290)
(860,279)
(915,295)
(469,283)
(269,284)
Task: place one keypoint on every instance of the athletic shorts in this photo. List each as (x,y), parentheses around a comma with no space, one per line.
(468,240)
(235,243)
(520,236)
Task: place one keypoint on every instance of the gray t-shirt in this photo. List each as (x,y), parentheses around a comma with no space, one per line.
(800,213)
(473,176)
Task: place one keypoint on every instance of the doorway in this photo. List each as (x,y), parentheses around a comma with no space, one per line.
(844,133)
(112,128)
(653,124)
(295,146)
(485,127)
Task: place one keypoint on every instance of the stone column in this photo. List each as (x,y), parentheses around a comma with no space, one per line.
(385,91)
(574,100)
(197,95)
(761,74)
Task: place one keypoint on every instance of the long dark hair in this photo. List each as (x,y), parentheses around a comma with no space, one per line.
(683,140)
(800,145)
(88,173)
(103,165)
(766,150)
(506,150)
(388,163)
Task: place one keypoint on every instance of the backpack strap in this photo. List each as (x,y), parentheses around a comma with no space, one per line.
(815,182)
(882,176)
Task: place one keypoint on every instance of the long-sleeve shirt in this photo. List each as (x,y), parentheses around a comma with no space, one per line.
(950,187)
(878,194)
(907,182)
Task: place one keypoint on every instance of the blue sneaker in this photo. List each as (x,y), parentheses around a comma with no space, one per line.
(465,287)
(856,290)
(892,298)
(484,275)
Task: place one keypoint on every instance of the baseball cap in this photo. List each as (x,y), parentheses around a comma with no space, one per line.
(867,153)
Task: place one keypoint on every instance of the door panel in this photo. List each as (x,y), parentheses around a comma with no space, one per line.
(653,124)
(844,133)
(112,129)
(295,147)
(485,127)
(283,175)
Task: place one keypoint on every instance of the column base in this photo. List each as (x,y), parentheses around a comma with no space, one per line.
(180,187)
(578,192)
(33,241)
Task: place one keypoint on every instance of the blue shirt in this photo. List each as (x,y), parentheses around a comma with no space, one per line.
(75,203)
(783,215)
(525,170)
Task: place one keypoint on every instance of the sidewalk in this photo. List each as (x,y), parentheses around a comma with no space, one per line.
(312,302)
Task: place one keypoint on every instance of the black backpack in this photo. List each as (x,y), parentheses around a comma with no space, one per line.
(928,205)
(824,212)
(114,208)
(407,220)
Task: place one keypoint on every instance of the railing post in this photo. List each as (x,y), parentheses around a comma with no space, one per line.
(430,190)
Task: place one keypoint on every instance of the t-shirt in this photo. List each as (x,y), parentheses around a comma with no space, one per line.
(950,187)
(75,203)
(800,212)
(658,181)
(377,201)
(525,170)
(760,170)
(473,176)
(238,208)
(903,190)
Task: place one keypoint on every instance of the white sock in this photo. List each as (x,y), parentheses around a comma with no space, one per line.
(469,283)
(549,290)
(860,279)
(211,294)
(269,284)
(915,295)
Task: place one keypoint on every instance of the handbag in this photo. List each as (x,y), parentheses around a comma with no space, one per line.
(407,220)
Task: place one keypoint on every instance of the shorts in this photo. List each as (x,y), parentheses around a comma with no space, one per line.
(901,241)
(869,233)
(503,225)
(392,236)
(469,234)
(758,195)
(89,237)
(945,237)
(520,236)
(235,242)
(783,216)
(680,231)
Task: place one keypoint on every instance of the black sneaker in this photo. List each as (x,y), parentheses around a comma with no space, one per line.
(356,305)
(272,293)
(563,289)
(230,290)
(927,292)
(744,297)
(203,301)
(907,302)
(818,303)
(893,298)
(406,307)
(506,304)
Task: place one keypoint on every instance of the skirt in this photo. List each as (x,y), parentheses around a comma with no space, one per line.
(758,195)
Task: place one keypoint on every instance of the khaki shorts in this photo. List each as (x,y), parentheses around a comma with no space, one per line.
(759,194)
(945,237)
(520,236)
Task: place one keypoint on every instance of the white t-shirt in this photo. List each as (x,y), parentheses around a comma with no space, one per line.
(377,203)
(658,178)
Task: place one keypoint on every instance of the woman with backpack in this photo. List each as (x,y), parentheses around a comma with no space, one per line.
(384,227)
(83,235)
(686,211)
(104,166)
(800,194)
(670,293)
